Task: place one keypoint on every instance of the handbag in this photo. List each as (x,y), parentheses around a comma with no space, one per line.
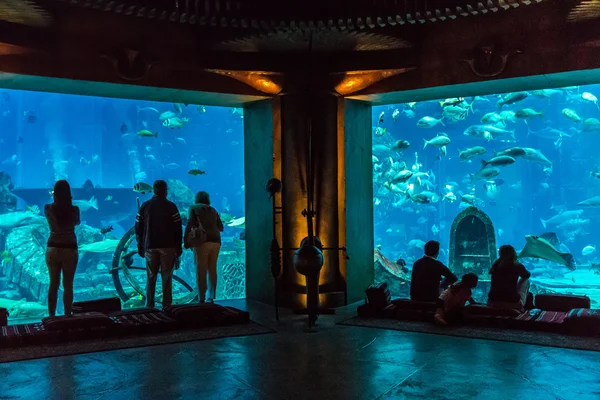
(197,235)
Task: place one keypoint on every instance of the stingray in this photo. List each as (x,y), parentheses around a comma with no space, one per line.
(538,247)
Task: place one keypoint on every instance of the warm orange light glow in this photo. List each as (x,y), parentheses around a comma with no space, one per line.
(7,49)
(353,81)
(259,80)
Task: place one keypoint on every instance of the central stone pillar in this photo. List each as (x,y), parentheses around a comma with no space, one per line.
(296,111)
(342,194)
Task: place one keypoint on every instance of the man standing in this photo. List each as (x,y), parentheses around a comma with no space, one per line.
(427,273)
(159,235)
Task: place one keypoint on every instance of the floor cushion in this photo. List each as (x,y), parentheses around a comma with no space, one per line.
(561,302)
(408,304)
(143,320)
(89,320)
(583,321)
(540,320)
(23,334)
(106,306)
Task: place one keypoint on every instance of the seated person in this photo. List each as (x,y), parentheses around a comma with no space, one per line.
(507,291)
(426,279)
(453,300)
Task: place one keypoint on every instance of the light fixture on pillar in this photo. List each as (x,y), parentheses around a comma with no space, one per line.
(352,81)
(263,81)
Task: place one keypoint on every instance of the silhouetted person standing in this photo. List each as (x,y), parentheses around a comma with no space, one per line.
(426,282)
(203,215)
(158,232)
(62,254)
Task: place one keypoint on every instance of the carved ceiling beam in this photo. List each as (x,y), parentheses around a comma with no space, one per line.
(275,15)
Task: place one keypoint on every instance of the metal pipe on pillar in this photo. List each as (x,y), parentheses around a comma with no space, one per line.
(308,259)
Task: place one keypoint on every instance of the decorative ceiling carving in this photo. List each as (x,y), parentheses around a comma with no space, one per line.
(24,12)
(316,40)
(275,15)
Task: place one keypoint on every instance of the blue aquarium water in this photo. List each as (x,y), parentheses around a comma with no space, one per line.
(104,147)
(527,160)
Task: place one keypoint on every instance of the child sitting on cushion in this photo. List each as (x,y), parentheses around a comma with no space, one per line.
(453,299)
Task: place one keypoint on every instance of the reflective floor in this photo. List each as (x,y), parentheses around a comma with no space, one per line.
(337,362)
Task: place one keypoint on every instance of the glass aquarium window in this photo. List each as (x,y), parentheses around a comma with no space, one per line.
(110,151)
(527,161)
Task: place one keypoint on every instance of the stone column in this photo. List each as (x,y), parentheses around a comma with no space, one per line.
(344,209)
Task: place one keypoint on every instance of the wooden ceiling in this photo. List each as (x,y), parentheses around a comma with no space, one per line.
(275,25)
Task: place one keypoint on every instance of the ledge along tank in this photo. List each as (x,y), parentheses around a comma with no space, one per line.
(104,147)
(523,168)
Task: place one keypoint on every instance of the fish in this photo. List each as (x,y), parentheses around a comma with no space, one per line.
(167,115)
(401,145)
(551,237)
(591,125)
(488,132)
(562,217)
(147,133)
(437,141)
(395,115)
(535,156)
(451,101)
(429,122)
(380,148)
(587,96)
(181,140)
(196,172)
(238,223)
(85,205)
(173,123)
(402,176)
(588,250)
(467,154)
(141,109)
(124,128)
(513,152)
(104,246)
(455,112)
(201,109)
(30,116)
(571,114)
(498,161)
(537,247)
(592,202)
(171,166)
(528,113)
(485,174)
(512,98)
(546,93)
(492,118)
(379,131)
(381,116)
(142,188)
(106,229)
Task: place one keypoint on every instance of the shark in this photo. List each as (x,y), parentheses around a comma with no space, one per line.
(538,247)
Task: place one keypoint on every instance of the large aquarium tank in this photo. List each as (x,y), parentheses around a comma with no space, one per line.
(475,173)
(111,151)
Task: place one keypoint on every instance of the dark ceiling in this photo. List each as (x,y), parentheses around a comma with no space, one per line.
(275,25)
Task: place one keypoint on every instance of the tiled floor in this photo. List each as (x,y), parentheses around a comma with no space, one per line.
(337,362)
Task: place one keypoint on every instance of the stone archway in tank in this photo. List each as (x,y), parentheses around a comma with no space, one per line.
(472,243)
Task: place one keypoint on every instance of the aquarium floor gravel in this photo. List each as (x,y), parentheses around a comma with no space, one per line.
(505,335)
(92,346)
